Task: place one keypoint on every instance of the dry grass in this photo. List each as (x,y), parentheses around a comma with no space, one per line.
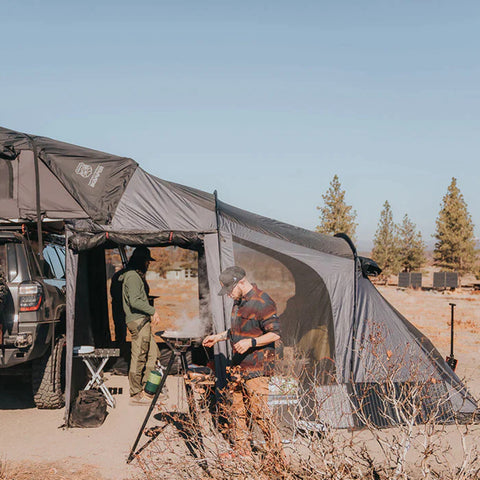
(46,471)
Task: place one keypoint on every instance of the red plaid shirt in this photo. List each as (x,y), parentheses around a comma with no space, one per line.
(253,316)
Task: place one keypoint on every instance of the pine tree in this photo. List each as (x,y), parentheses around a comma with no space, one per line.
(385,244)
(162,261)
(455,245)
(336,216)
(411,246)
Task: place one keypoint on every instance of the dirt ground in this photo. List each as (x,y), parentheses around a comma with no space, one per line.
(32,446)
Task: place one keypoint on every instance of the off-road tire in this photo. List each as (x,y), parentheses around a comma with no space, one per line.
(48,387)
(3,290)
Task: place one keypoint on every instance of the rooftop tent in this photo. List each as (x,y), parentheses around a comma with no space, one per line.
(334,311)
(72,181)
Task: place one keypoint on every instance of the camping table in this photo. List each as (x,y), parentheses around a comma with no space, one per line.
(95,362)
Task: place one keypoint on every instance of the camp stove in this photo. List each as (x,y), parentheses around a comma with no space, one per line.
(179,341)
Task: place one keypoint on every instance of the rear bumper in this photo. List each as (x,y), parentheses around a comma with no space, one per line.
(31,342)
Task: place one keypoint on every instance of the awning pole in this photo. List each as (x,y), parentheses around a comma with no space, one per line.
(217,217)
(37,197)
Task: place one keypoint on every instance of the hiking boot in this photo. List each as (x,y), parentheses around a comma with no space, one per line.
(141,399)
(144,398)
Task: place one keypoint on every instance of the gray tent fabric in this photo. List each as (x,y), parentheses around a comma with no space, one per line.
(400,350)
(82,240)
(52,206)
(220,321)
(95,180)
(290,233)
(331,317)
(56,201)
(71,267)
(331,282)
(151,204)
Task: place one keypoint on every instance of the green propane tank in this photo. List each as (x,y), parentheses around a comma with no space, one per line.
(153,381)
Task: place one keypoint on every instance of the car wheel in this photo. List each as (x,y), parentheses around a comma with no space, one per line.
(48,377)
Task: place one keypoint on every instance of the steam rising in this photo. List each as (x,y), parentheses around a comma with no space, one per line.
(195,327)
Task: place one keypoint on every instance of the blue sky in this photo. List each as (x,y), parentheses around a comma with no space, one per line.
(264,101)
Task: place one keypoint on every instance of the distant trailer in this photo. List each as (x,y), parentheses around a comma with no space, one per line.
(181,273)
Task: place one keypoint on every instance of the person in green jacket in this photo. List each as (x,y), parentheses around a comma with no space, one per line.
(139,316)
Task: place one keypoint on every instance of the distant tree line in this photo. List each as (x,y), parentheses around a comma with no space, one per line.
(400,247)
(167,257)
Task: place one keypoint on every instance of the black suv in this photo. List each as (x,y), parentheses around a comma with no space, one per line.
(32,312)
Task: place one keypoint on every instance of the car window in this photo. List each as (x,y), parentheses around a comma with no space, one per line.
(8,261)
(12,261)
(54,256)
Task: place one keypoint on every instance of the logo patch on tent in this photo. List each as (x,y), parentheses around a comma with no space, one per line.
(95,176)
(83,170)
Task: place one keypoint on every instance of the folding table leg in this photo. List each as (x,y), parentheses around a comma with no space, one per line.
(107,394)
(97,379)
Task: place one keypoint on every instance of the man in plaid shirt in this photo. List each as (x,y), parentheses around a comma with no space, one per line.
(253,332)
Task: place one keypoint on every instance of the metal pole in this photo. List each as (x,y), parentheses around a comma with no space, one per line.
(221,379)
(40,242)
(152,405)
(451,360)
(219,243)
(37,197)
(217,217)
(452,307)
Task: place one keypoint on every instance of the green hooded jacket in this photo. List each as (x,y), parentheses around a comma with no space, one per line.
(134,296)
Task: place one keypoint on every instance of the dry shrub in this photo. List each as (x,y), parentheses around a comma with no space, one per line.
(429,440)
(469,324)
(425,442)
(3,469)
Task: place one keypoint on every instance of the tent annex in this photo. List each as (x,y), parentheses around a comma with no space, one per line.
(332,316)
